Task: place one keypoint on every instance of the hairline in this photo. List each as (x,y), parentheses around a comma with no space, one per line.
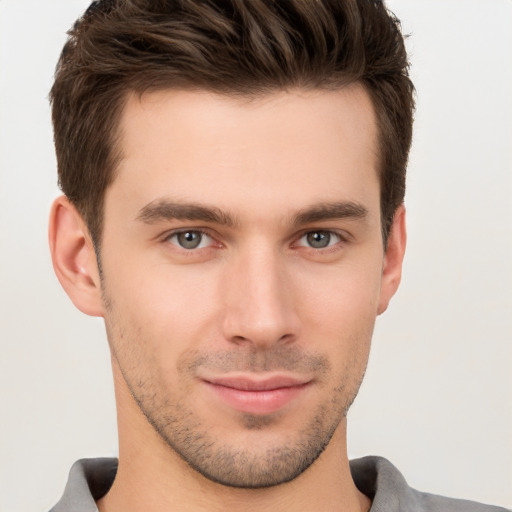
(116,145)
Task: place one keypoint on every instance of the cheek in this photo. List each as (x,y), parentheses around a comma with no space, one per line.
(339,299)
(338,316)
(164,310)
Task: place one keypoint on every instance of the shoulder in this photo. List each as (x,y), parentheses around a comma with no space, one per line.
(384,484)
(89,480)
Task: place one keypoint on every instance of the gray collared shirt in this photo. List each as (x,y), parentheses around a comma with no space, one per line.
(90,479)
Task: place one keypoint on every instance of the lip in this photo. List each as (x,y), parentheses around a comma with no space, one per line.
(255,394)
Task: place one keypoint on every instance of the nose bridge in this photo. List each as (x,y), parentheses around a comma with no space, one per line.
(259,307)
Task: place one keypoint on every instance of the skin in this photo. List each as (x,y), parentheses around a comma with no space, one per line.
(262,183)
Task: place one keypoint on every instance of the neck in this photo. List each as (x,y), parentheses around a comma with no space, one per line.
(153,477)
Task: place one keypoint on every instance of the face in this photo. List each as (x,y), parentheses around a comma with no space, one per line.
(242,273)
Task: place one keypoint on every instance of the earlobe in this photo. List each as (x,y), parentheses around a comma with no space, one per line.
(393,259)
(73,257)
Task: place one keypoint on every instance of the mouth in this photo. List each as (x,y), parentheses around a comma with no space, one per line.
(257,395)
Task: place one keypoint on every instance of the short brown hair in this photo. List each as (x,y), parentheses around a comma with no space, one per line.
(237,47)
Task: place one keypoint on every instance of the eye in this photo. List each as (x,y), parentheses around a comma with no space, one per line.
(190,239)
(319,239)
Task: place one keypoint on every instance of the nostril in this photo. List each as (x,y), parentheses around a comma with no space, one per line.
(239,340)
(286,338)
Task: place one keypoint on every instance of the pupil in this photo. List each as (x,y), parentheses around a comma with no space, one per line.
(189,239)
(319,239)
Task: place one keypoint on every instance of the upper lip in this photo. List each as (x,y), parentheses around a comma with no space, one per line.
(257,383)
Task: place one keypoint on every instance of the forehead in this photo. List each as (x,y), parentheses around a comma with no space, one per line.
(294,147)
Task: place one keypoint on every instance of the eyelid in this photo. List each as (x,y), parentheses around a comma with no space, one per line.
(184,229)
(334,239)
(203,231)
(342,236)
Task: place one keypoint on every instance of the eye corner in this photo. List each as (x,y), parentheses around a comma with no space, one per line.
(318,239)
(332,245)
(189,240)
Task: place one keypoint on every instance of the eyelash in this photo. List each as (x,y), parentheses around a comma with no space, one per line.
(201,232)
(330,234)
(339,239)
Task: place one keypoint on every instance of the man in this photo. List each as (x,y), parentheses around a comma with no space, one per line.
(234,177)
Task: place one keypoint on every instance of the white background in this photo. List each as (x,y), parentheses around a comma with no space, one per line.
(437,397)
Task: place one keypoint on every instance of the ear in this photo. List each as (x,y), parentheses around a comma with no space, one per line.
(73,257)
(393,259)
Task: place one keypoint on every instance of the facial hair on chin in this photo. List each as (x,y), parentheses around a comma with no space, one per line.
(239,466)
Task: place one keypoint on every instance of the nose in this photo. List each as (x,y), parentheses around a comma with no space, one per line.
(259,304)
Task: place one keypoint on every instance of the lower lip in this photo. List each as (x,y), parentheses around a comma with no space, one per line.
(257,402)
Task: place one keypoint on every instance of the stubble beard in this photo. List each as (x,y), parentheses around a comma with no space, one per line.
(239,466)
(234,466)
(229,464)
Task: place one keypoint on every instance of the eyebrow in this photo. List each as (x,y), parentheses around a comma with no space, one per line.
(163,209)
(330,211)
